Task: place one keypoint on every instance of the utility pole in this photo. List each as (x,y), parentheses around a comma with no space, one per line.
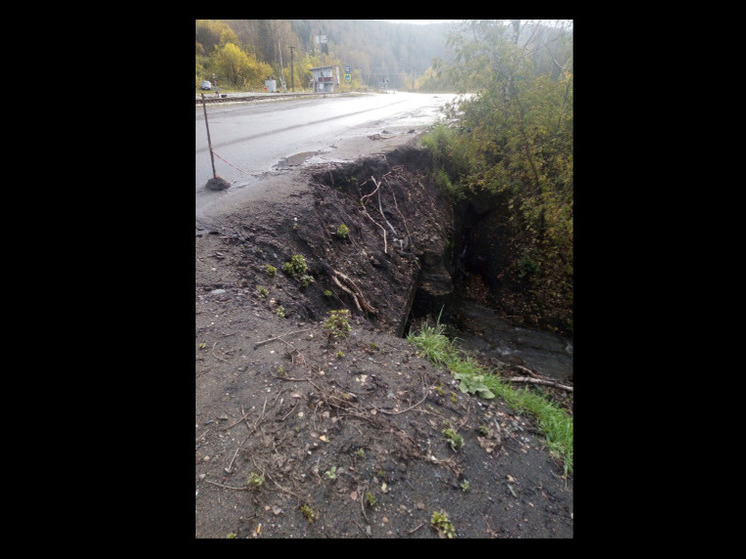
(292,74)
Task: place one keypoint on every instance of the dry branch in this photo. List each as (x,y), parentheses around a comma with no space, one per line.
(257,344)
(541,381)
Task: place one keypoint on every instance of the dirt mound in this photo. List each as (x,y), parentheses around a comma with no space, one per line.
(303,434)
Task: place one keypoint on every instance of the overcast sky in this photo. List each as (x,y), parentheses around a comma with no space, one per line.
(426,21)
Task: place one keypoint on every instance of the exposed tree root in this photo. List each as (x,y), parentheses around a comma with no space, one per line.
(348,286)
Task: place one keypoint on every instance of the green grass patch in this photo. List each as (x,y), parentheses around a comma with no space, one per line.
(553,422)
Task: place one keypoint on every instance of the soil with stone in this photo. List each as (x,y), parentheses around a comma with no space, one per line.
(301,434)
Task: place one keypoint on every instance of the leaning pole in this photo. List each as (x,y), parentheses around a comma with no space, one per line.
(216,182)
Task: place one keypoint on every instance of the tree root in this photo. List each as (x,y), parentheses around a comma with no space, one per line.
(349,287)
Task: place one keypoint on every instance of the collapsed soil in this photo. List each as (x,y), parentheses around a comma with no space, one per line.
(301,434)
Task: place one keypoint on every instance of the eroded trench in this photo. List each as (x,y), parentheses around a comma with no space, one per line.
(440,260)
(410,252)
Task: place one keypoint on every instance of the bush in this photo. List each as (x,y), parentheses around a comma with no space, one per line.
(297,266)
(450,157)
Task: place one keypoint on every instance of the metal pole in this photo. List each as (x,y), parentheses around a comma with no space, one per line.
(209,143)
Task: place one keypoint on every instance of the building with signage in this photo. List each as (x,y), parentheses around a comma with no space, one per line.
(323,79)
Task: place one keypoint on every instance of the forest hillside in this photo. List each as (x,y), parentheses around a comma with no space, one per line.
(242,53)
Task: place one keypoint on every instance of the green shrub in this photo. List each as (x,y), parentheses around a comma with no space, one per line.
(338,325)
(297,266)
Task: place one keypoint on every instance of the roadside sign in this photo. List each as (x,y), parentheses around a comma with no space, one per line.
(348,78)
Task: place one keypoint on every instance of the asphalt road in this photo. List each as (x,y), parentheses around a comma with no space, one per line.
(250,140)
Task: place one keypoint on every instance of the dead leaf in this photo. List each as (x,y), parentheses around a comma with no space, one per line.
(487,444)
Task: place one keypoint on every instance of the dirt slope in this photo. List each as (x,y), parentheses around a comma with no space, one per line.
(344,437)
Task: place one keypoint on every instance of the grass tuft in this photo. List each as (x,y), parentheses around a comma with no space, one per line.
(553,422)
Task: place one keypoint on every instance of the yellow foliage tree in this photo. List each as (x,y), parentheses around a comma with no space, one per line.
(240,69)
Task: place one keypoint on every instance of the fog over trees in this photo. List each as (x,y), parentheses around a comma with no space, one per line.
(408,56)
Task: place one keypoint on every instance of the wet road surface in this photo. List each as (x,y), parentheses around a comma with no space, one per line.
(251,139)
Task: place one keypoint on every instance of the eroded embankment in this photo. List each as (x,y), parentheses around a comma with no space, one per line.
(299,434)
(373,233)
(399,229)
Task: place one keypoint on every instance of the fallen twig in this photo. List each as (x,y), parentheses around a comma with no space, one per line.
(529,372)
(215,356)
(362,504)
(541,381)
(427,391)
(257,344)
(226,486)
(413,530)
(281,488)
(229,468)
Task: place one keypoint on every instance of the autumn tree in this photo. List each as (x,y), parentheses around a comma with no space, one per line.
(240,69)
(515,144)
(210,34)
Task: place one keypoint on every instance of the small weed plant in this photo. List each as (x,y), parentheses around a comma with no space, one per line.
(255,481)
(440,522)
(343,232)
(456,441)
(297,266)
(338,323)
(271,270)
(308,513)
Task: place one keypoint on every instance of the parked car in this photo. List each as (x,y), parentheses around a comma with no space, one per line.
(206,85)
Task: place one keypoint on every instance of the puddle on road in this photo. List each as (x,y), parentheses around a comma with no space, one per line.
(295,160)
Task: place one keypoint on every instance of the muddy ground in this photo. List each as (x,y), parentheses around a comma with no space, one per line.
(300,434)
